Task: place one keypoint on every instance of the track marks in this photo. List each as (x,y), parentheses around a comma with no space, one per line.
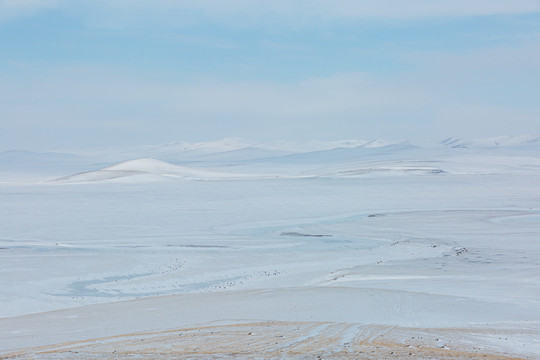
(275,340)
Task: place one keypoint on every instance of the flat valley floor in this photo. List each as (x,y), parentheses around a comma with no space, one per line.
(354,252)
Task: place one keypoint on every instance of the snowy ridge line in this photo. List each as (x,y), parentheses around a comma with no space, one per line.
(152,169)
(227,145)
(235,144)
(498,141)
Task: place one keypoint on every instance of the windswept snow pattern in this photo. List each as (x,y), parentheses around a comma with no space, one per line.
(499,141)
(146,169)
(341,248)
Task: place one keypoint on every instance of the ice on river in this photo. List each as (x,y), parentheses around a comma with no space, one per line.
(367,233)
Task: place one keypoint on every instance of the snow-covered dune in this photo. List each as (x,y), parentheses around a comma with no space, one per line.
(143,170)
(148,165)
(253,163)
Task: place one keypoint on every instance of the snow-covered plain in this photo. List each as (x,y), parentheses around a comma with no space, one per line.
(375,237)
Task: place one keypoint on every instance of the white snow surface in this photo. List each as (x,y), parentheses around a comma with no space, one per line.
(498,141)
(144,170)
(373,233)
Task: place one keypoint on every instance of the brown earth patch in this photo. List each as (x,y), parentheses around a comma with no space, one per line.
(280,340)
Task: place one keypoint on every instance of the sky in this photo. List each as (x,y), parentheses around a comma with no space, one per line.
(93,73)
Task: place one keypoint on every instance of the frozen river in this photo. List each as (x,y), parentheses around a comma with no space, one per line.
(403,236)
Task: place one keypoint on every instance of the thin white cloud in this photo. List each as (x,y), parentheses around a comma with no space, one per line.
(12,9)
(339,8)
(311,98)
(479,120)
(502,74)
(291,13)
(428,8)
(315,108)
(249,12)
(483,92)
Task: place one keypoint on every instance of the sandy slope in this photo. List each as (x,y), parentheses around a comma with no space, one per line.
(336,321)
(279,340)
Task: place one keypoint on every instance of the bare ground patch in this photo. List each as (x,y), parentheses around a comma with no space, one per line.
(281,340)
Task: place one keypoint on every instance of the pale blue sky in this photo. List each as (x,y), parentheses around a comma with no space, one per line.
(94,73)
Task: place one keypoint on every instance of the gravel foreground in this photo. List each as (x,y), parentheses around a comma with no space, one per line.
(281,340)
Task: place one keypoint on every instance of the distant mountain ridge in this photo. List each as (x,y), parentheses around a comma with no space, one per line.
(252,150)
(498,141)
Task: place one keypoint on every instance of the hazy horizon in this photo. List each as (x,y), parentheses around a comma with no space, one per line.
(91,74)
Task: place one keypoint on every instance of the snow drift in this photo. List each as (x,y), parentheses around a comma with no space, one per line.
(142,169)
